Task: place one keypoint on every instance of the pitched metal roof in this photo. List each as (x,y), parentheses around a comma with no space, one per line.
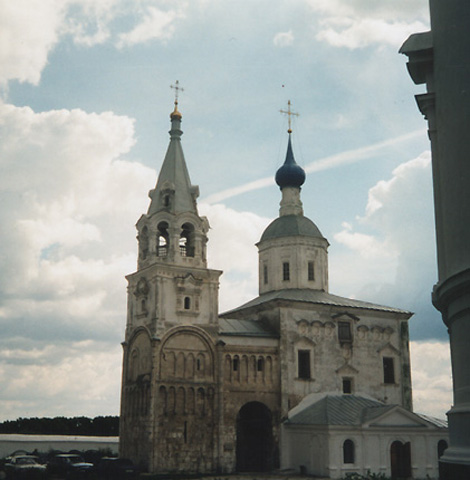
(318,297)
(435,421)
(341,409)
(335,410)
(245,328)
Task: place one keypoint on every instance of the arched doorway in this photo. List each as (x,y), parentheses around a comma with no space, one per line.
(400,458)
(441,448)
(254,438)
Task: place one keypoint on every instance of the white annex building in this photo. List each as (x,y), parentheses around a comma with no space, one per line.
(297,378)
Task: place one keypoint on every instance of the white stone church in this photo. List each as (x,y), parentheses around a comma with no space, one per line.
(297,379)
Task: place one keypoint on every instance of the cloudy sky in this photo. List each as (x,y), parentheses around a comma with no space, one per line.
(84,116)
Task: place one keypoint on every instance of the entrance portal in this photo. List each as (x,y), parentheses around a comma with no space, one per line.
(400,457)
(254,438)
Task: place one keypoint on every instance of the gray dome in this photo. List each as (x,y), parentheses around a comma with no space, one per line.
(291,225)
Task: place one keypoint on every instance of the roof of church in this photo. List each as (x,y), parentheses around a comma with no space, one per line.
(337,410)
(245,328)
(438,422)
(318,297)
(291,225)
(346,409)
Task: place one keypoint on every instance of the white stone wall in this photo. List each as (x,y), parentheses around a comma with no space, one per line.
(322,455)
(374,335)
(297,251)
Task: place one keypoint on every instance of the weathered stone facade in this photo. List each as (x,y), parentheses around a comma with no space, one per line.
(203,392)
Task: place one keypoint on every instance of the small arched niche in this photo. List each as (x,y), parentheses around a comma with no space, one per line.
(144,243)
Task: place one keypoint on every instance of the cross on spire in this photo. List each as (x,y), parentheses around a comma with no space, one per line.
(177,89)
(289,113)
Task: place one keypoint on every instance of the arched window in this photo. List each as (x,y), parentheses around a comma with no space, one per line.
(187,303)
(187,240)
(260,364)
(348,451)
(285,271)
(441,448)
(163,239)
(236,363)
(311,271)
(389,370)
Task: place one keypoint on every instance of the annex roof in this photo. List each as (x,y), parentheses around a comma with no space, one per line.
(317,297)
(335,410)
(355,410)
(245,328)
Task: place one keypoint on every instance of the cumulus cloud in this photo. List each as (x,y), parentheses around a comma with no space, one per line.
(87,373)
(157,24)
(359,33)
(283,39)
(231,248)
(431,377)
(393,245)
(29,29)
(69,203)
(360,23)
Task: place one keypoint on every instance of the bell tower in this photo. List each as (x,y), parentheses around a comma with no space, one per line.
(172,320)
(172,285)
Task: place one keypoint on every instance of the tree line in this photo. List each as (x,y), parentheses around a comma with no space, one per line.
(98,426)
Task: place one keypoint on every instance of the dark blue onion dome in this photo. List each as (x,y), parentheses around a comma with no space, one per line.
(290,174)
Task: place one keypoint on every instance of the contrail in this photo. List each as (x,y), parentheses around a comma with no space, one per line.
(326,163)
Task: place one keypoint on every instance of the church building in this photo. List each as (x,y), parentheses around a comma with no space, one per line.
(297,379)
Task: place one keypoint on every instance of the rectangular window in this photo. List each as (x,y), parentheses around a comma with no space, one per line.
(265,274)
(347,385)
(285,271)
(344,332)
(303,360)
(389,370)
(311,271)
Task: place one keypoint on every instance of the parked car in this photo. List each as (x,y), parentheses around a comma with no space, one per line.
(112,468)
(24,466)
(69,465)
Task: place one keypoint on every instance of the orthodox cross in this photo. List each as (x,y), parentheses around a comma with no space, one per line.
(177,89)
(289,113)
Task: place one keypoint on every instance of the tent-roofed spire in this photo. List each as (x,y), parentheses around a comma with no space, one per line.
(174,192)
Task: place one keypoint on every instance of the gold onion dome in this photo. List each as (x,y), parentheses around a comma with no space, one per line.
(176,113)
